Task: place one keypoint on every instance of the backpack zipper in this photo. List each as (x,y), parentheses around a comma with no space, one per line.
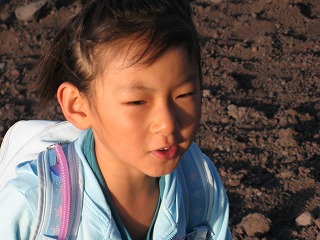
(65,192)
(77,189)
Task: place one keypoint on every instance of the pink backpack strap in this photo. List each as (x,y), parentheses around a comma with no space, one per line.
(60,193)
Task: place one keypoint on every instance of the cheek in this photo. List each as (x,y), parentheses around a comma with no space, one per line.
(124,127)
(190,113)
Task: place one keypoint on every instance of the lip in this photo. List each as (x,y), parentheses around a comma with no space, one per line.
(170,153)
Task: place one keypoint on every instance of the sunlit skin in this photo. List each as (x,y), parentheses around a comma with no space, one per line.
(143,117)
(140,110)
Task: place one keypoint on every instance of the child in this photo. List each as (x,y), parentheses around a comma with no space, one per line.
(128,73)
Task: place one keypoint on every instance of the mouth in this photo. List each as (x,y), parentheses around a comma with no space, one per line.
(164,149)
(166,153)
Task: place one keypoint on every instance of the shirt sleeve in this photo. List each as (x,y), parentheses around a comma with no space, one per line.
(17,215)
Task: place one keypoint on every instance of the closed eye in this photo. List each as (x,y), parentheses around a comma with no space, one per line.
(186,95)
(136,103)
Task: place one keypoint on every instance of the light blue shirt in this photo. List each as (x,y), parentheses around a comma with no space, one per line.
(19,199)
(88,150)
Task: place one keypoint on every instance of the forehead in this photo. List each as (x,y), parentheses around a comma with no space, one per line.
(174,64)
(137,52)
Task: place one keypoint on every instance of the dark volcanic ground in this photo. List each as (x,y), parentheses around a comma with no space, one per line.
(261,106)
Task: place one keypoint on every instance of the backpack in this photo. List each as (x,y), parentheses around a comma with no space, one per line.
(56,162)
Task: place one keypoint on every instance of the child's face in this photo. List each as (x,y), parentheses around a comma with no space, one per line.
(145,117)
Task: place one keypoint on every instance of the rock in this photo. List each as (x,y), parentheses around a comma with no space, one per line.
(28,12)
(223,173)
(212,1)
(317,222)
(286,142)
(287,132)
(305,219)
(234,182)
(236,112)
(257,192)
(2,66)
(255,223)
(4,15)
(206,93)
(285,174)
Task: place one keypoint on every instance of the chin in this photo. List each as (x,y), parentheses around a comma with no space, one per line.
(168,170)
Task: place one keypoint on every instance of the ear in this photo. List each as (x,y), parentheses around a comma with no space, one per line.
(74,106)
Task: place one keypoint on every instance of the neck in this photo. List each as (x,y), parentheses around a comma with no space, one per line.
(131,185)
(135,199)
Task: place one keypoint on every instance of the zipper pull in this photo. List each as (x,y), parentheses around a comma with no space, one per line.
(55,168)
(200,233)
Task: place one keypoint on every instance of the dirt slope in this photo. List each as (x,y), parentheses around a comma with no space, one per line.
(261,107)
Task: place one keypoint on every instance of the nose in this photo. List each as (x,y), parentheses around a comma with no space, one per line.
(165,120)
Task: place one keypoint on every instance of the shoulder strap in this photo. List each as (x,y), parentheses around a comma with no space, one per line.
(60,193)
(25,139)
(23,142)
(199,187)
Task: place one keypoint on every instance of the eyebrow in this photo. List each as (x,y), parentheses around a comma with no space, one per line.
(140,87)
(136,87)
(190,78)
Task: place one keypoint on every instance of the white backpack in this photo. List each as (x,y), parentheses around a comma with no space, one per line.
(26,139)
(41,140)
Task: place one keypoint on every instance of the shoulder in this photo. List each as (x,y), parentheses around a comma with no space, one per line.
(22,190)
(199,173)
(205,189)
(196,162)
(18,202)
(197,167)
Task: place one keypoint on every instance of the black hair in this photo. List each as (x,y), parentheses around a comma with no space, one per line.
(155,26)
